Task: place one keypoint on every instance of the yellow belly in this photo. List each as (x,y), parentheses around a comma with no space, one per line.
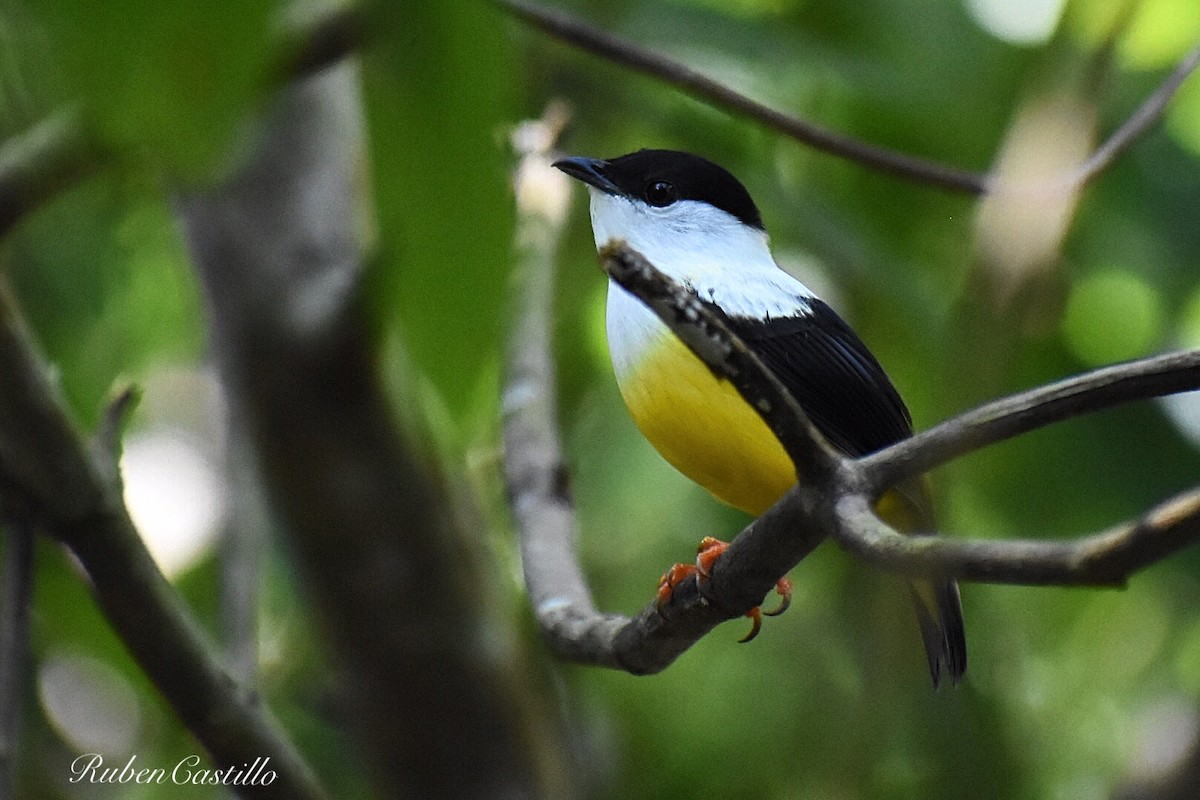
(704,428)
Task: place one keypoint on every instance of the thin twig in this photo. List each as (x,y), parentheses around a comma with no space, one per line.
(50,157)
(621,51)
(1012,416)
(580,34)
(320,43)
(106,441)
(16,598)
(1102,559)
(112,423)
(1138,123)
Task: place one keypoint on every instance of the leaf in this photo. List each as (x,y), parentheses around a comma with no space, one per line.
(436,97)
(168,78)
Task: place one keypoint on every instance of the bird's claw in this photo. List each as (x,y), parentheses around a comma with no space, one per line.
(783,588)
(676,575)
(709,550)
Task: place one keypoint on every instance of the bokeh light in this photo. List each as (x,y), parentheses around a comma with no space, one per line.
(1112,315)
(89,704)
(173,494)
(1024,22)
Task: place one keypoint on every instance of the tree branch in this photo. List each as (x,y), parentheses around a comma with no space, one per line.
(534,470)
(50,478)
(1012,416)
(837,496)
(16,597)
(53,155)
(844,497)
(60,151)
(589,38)
(1102,559)
(1138,123)
(386,549)
(577,33)
(319,43)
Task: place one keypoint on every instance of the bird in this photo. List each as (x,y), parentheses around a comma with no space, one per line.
(696,222)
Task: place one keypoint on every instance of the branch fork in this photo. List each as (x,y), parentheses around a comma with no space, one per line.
(836,495)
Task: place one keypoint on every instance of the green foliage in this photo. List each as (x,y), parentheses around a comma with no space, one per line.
(171,78)
(104,280)
(832,700)
(439,98)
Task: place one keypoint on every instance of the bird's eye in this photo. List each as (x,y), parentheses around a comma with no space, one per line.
(660,193)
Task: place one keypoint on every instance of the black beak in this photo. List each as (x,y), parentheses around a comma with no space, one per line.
(590,171)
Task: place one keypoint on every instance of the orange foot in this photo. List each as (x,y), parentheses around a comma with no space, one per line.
(708,552)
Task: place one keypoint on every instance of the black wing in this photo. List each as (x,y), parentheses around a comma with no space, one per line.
(832,374)
(851,400)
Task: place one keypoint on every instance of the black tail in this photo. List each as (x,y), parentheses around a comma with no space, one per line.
(939,611)
(907,508)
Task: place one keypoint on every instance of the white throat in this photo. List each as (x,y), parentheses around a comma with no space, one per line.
(723,260)
(712,252)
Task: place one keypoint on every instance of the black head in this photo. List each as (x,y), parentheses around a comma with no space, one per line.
(661,177)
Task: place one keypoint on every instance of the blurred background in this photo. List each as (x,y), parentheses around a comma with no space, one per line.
(1071,693)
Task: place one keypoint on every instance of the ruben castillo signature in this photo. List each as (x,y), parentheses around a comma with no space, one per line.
(90,768)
